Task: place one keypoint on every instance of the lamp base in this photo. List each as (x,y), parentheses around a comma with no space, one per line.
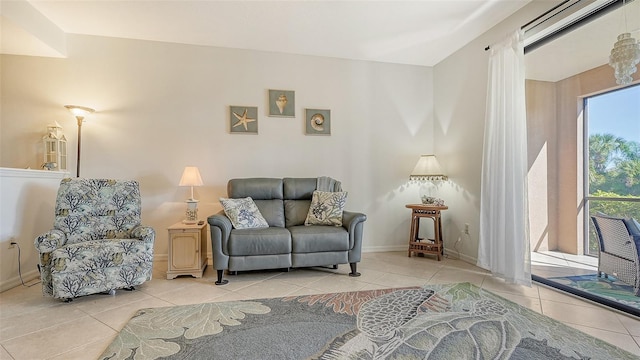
(191,213)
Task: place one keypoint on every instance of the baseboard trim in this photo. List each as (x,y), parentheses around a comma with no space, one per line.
(463,257)
(375,249)
(15,281)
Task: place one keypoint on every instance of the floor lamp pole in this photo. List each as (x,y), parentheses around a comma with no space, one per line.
(79,112)
(80,118)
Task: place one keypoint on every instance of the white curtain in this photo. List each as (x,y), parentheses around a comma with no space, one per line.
(504,217)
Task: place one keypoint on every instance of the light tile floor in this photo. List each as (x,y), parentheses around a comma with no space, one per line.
(550,264)
(37,327)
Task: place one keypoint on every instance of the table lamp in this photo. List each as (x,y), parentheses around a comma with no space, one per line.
(191,177)
(428,169)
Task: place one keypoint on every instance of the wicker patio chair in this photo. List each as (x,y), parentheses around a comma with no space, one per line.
(619,243)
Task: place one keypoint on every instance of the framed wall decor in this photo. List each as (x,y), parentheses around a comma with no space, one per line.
(317,122)
(282,103)
(243,119)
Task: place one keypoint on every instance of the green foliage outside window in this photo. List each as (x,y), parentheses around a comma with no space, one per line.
(614,172)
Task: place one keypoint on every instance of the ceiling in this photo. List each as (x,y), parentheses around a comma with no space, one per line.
(422,32)
(585,48)
(404,32)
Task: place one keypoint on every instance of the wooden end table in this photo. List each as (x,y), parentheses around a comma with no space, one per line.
(187,250)
(426,246)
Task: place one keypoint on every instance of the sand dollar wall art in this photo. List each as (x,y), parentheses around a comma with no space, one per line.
(282,103)
(317,122)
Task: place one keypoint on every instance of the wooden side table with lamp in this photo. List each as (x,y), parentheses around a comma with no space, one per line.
(427,169)
(187,245)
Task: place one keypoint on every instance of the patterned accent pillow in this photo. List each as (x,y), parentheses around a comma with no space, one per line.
(243,213)
(326,208)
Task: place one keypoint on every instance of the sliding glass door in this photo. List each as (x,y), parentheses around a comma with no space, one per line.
(612,168)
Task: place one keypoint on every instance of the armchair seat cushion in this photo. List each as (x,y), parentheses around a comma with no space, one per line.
(99,254)
(319,238)
(268,241)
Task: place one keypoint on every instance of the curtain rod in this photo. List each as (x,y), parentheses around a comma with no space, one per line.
(581,20)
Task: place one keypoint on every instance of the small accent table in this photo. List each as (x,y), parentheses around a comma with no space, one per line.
(426,246)
(187,250)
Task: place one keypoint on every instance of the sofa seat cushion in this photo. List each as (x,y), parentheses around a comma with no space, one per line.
(269,241)
(319,238)
(99,254)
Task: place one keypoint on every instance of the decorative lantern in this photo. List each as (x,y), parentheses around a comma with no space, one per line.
(55,148)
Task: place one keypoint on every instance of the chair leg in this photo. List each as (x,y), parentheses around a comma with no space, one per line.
(220,281)
(353,272)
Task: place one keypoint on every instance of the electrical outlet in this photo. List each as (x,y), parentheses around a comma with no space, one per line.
(466,229)
(12,243)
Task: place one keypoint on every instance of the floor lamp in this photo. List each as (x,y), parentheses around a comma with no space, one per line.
(79,112)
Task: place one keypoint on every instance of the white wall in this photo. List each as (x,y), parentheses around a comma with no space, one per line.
(163,106)
(26,211)
(460,88)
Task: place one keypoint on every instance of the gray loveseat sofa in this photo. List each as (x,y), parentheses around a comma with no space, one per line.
(287,242)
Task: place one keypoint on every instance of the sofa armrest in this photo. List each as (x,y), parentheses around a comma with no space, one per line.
(144,233)
(50,241)
(352,222)
(220,227)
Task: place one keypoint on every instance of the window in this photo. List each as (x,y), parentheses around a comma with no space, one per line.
(612,169)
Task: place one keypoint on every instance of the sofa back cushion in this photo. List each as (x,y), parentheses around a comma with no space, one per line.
(267,193)
(297,198)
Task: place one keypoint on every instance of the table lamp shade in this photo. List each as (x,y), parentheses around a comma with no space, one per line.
(191,177)
(427,168)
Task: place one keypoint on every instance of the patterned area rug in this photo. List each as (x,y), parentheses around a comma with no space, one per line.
(454,321)
(610,288)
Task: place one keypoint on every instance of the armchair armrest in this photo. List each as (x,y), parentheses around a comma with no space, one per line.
(144,233)
(50,241)
(220,227)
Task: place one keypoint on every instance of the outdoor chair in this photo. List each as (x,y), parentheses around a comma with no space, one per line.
(97,243)
(619,243)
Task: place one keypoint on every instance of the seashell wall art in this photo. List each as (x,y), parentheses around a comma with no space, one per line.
(282,103)
(317,122)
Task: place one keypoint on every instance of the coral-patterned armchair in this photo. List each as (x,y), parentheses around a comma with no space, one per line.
(97,243)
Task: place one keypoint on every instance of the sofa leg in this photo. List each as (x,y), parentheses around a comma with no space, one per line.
(353,272)
(335,267)
(220,281)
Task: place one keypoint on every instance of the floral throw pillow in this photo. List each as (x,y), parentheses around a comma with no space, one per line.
(243,213)
(326,208)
